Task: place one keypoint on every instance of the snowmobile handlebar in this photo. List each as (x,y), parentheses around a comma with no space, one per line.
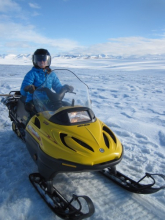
(55,96)
(51,95)
(55,99)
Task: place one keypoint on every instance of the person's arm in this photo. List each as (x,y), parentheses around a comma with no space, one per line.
(58,87)
(28,80)
(56,84)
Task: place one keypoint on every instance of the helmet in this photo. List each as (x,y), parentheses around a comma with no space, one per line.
(41,55)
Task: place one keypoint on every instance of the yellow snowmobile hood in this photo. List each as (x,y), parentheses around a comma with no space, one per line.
(88,144)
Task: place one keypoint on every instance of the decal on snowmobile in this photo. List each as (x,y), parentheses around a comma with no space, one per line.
(49,137)
(83,125)
(45,122)
(69,165)
(101,150)
(31,129)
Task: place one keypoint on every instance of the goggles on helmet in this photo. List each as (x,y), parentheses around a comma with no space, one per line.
(40,58)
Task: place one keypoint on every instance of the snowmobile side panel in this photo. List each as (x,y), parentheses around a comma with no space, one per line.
(32,146)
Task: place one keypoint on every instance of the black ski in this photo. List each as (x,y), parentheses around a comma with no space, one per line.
(131,185)
(58,204)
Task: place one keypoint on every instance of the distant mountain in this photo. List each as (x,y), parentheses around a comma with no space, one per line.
(23,59)
(26,58)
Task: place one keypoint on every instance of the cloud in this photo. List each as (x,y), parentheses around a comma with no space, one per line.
(14,35)
(17,44)
(35,14)
(126,47)
(17,37)
(34,5)
(8,6)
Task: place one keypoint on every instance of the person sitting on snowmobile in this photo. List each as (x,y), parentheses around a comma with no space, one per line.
(37,76)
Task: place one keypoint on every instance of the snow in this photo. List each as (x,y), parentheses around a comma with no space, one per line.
(128,95)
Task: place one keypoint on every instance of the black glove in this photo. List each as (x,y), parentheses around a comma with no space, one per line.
(69,88)
(29,88)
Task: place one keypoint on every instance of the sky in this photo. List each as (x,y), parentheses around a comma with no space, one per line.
(112,27)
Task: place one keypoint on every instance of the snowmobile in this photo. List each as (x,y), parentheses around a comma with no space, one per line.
(62,134)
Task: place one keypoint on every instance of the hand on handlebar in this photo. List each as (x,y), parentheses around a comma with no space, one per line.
(29,88)
(68,88)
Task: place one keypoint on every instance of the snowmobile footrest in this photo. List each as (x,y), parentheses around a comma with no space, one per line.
(59,205)
(131,185)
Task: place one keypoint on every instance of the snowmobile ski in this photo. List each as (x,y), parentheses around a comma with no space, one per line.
(58,204)
(131,185)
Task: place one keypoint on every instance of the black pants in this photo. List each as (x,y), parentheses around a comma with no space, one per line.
(29,106)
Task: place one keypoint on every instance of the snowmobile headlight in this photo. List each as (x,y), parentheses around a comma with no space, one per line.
(80,116)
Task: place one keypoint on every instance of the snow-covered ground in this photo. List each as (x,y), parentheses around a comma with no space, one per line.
(128,95)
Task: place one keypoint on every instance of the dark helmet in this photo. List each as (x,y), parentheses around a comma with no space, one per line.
(41,55)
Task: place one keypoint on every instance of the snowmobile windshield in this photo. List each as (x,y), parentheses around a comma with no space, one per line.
(71,93)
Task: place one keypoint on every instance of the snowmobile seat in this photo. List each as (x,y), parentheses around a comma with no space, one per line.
(23,115)
(23,99)
(28,107)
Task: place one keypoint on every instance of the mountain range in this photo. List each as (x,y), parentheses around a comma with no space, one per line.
(27,57)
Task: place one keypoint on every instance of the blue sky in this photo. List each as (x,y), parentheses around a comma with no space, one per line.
(115,27)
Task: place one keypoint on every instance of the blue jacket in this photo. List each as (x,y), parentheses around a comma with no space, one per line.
(37,77)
